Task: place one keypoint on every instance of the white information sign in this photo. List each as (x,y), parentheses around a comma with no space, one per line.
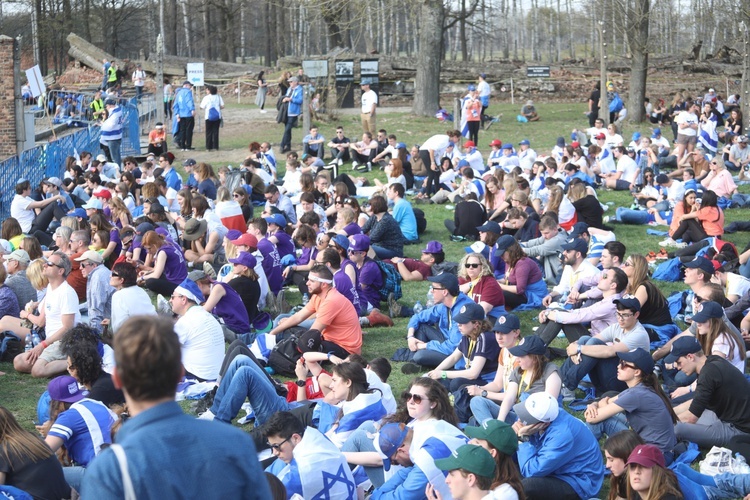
(34,76)
(195,74)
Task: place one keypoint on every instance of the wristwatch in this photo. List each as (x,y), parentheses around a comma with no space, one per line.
(484,394)
(300,383)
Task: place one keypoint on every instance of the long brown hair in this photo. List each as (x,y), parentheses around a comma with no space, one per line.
(515,253)
(538,362)
(436,393)
(621,445)
(663,483)
(716,328)
(398,167)
(17,443)
(506,472)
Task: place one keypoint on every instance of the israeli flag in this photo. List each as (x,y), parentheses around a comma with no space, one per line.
(464,123)
(322,469)
(708,136)
(363,408)
(263,345)
(434,439)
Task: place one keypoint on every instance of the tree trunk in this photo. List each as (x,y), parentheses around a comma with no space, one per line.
(637,34)
(186,25)
(427,81)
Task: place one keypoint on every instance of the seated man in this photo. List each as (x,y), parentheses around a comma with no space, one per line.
(432,335)
(559,454)
(547,248)
(98,291)
(576,268)
(528,111)
(594,238)
(612,256)
(335,316)
(597,356)
(305,457)
(471,471)
(363,152)
(339,147)
(403,212)
(416,449)
(313,143)
(600,314)
(720,408)
(201,337)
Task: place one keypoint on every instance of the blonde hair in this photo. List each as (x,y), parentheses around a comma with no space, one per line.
(35,273)
(485,269)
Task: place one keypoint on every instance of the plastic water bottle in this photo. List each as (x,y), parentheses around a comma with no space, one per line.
(305,299)
(36,339)
(430,301)
(29,344)
(418,307)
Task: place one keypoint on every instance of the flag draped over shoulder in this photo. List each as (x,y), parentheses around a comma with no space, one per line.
(361,409)
(707,135)
(434,439)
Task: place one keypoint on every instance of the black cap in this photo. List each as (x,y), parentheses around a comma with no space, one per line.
(629,302)
(682,346)
(448,280)
(578,244)
(640,358)
(533,344)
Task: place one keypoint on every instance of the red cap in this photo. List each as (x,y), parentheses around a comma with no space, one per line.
(575,144)
(646,455)
(600,135)
(469,144)
(103,193)
(718,265)
(496,142)
(246,239)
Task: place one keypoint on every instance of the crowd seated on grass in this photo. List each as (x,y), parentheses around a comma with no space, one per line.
(301,276)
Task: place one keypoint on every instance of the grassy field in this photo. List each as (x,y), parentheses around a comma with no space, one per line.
(20,393)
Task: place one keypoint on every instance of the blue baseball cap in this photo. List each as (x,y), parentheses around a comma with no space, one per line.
(503,243)
(189,289)
(507,323)
(524,142)
(682,346)
(389,440)
(233,234)
(701,263)
(656,133)
(507,145)
(490,227)
(640,358)
(708,310)
(341,241)
(400,145)
(629,302)
(533,344)
(468,313)
(93,203)
(277,219)
(79,212)
(578,245)
(472,87)
(448,280)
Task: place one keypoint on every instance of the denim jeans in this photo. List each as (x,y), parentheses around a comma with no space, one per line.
(245,379)
(428,357)
(484,409)
(628,216)
(384,253)
(114,150)
(610,426)
(359,441)
(601,371)
(74,476)
(286,140)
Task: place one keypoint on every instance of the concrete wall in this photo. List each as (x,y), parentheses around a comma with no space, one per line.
(7,99)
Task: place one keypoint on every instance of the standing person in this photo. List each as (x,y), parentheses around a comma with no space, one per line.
(260,97)
(139,81)
(212,103)
(594,103)
(168,99)
(204,459)
(105,71)
(473,109)
(484,90)
(294,97)
(184,109)
(369,105)
(112,131)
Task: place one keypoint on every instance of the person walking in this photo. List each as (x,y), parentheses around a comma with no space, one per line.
(184,110)
(212,104)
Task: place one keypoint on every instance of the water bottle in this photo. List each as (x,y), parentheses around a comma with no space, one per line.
(430,301)
(305,299)
(36,339)
(29,344)
(418,308)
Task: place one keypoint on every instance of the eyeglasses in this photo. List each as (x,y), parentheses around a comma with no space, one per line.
(417,398)
(627,263)
(624,315)
(700,299)
(434,288)
(87,264)
(175,296)
(49,263)
(471,266)
(623,365)
(278,446)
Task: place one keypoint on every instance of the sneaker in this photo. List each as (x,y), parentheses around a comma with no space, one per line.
(354,165)
(362,168)
(263,111)
(206,415)
(394,308)
(364,321)
(209,270)
(410,368)
(377,318)
(339,162)
(606,219)
(669,242)
(163,307)
(568,395)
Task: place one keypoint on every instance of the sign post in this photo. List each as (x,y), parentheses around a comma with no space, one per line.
(195,76)
(537,71)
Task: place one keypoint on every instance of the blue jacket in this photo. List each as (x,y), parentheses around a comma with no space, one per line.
(438,315)
(295,105)
(184,106)
(566,450)
(173,455)
(408,483)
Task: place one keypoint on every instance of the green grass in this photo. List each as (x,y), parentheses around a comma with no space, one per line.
(20,393)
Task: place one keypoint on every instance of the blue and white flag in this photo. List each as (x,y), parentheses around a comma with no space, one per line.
(434,439)
(263,345)
(464,123)
(707,135)
(322,468)
(363,408)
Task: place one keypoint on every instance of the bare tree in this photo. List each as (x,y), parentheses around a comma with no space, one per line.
(427,82)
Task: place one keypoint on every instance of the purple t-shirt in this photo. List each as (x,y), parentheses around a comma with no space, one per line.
(232,310)
(114,236)
(370,281)
(175,270)
(352,228)
(271,264)
(285,245)
(343,284)
(309,254)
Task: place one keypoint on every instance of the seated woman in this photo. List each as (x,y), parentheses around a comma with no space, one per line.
(700,223)
(643,406)
(533,374)
(394,172)
(425,400)
(654,307)
(476,279)
(648,476)
(523,284)
(27,463)
(348,405)
(386,239)
(587,206)
(346,222)
(501,441)
(81,425)
(562,206)
(311,244)
(224,302)
(477,349)
(169,269)
(244,281)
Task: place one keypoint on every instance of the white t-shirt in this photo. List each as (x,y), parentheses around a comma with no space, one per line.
(368,99)
(438,144)
(723,344)
(61,300)
(502,492)
(19,210)
(202,341)
(628,167)
(139,78)
(174,205)
(389,402)
(130,301)
(612,141)
(737,284)
(689,118)
(211,101)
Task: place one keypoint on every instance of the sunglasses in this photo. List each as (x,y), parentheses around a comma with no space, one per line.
(700,299)
(115,274)
(417,398)
(49,263)
(471,266)
(278,446)
(623,364)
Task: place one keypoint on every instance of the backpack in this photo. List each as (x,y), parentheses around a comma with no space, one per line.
(391,281)
(284,355)
(213,114)
(233,179)
(421,220)
(669,270)
(10,346)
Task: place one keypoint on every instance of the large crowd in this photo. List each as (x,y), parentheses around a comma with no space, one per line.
(131,285)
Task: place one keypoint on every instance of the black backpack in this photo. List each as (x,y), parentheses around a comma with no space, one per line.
(284,355)
(421,220)
(10,346)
